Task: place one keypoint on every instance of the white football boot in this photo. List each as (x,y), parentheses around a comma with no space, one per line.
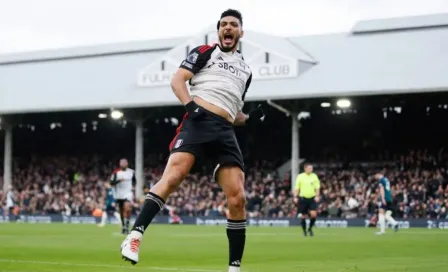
(130,247)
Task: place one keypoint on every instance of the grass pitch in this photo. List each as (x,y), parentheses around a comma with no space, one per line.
(67,247)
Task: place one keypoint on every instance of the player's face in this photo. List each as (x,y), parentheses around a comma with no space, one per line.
(229,33)
(309,169)
(123,163)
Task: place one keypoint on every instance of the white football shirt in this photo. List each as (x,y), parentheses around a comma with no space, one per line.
(124,180)
(10,199)
(220,78)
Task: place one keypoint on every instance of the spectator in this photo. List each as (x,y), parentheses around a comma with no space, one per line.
(74,186)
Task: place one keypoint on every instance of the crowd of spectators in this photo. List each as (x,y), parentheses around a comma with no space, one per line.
(75,186)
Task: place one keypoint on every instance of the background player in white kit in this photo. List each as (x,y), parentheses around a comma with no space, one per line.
(11,202)
(219,78)
(124,181)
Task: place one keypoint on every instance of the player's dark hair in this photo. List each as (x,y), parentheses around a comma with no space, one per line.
(231,12)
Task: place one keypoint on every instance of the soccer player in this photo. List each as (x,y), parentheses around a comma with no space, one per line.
(11,203)
(385,204)
(109,205)
(308,189)
(219,79)
(124,181)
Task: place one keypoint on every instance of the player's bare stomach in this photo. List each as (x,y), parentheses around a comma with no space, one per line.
(213,108)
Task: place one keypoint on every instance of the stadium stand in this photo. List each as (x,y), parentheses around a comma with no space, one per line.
(69,163)
(61,169)
(74,186)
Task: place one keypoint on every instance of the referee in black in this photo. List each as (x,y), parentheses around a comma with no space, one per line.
(307,188)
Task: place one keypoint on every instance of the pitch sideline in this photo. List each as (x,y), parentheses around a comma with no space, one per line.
(109,266)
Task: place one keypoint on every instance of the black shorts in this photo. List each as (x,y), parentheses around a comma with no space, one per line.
(109,209)
(388,206)
(306,205)
(120,203)
(210,138)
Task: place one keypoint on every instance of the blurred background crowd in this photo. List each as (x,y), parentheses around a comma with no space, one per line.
(61,161)
(75,186)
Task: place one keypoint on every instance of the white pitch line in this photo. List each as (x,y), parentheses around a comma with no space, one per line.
(217,234)
(221,234)
(108,266)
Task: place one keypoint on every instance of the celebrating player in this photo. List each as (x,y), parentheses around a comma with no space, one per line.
(385,204)
(109,205)
(124,181)
(308,189)
(219,79)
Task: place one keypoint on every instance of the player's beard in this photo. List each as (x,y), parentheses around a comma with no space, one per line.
(227,48)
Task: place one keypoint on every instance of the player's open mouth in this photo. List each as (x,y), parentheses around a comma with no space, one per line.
(228,39)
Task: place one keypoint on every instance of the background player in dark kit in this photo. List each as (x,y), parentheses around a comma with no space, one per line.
(219,79)
(385,204)
(110,208)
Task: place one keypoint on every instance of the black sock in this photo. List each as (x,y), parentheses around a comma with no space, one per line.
(122,223)
(312,221)
(122,219)
(152,206)
(126,224)
(236,234)
(303,224)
